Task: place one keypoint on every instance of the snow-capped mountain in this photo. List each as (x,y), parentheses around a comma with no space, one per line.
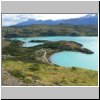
(90,19)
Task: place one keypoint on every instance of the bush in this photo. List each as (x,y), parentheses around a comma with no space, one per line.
(74,81)
(36,77)
(28,79)
(74,68)
(17,73)
(34,67)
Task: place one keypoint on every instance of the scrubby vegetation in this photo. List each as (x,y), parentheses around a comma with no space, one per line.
(66,45)
(39,41)
(50,30)
(40,53)
(30,66)
(37,74)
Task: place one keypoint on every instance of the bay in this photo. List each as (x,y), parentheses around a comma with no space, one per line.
(67,58)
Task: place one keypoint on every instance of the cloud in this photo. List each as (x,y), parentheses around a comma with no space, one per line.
(12,19)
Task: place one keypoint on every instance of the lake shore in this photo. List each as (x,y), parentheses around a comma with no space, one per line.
(31,66)
(49,48)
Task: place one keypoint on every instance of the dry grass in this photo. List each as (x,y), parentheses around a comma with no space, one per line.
(47,75)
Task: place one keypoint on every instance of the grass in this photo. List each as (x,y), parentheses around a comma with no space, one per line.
(36,74)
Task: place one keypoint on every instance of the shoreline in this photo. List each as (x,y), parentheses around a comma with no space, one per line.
(43,52)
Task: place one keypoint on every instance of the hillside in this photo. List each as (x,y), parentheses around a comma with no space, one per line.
(20,68)
(18,73)
(49,30)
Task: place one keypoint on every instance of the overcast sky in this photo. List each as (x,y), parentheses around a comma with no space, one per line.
(12,19)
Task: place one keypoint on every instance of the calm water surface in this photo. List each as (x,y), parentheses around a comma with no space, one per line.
(67,58)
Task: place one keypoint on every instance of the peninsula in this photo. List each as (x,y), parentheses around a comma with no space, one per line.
(31,66)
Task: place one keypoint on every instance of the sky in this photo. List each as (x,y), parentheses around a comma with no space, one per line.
(12,19)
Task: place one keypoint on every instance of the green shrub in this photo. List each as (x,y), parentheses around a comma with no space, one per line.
(17,73)
(34,67)
(74,81)
(36,77)
(28,79)
(74,68)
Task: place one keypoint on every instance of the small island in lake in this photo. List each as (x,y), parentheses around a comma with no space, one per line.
(45,41)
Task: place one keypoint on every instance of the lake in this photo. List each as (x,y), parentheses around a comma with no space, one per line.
(67,58)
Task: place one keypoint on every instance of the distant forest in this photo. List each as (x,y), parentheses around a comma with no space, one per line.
(49,30)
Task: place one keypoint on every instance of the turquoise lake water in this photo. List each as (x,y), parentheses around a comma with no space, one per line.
(67,58)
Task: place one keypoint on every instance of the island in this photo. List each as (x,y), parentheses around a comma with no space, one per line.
(39,41)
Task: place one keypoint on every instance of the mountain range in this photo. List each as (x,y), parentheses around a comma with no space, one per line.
(90,19)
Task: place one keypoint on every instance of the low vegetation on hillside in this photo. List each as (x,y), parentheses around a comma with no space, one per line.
(50,30)
(37,74)
(31,66)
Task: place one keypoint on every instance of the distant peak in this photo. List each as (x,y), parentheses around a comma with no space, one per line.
(31,19)
(91,15)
